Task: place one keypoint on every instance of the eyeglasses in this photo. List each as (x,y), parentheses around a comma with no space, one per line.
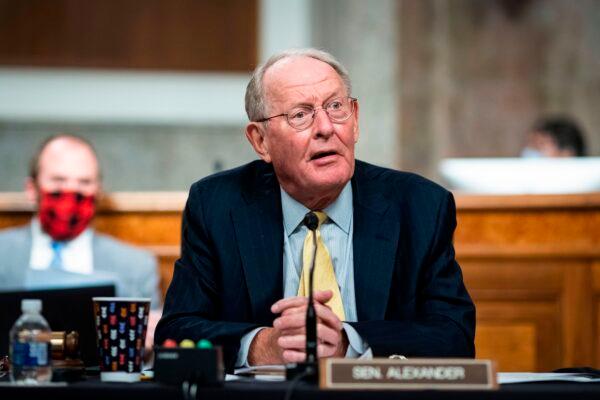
(338,110)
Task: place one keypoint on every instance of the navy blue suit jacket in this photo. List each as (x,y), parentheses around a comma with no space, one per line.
(410,295)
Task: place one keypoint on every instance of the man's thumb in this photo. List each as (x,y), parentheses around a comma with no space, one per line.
(322,296)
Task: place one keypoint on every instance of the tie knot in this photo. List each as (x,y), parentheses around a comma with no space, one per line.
(321,216)
(57,246)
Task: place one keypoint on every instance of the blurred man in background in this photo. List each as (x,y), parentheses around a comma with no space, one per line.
(59,248)
(555,137)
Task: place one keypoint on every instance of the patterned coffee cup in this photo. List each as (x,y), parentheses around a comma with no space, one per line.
(121,324)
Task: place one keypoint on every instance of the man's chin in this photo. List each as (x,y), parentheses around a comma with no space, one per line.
(328,183)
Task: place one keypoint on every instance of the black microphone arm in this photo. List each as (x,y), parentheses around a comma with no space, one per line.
(309,369)
(312,222)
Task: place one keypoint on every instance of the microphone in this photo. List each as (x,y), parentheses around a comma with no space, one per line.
(309,369)
(312,222)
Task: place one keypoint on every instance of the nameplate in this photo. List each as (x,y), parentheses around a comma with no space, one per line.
(408,374)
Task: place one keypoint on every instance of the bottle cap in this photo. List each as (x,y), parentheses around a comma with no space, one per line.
(31,305)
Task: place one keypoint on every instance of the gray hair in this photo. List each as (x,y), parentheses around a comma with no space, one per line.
(256,104)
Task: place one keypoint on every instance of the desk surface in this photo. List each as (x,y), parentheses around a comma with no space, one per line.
(93,389)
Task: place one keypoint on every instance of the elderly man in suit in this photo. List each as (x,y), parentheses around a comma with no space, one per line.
(58,247)
(386,278)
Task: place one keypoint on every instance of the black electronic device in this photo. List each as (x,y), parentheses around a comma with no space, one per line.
(203,367)
(65,309)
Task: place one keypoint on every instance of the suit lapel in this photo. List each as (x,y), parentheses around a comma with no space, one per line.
(376,233)
(258,227)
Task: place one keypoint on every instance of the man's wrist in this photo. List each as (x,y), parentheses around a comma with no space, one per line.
(263,349)
(343,344)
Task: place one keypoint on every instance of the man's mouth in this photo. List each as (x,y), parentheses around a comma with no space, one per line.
(322,154)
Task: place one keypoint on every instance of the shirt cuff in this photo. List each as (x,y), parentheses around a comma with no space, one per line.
(245,342)
(357,347)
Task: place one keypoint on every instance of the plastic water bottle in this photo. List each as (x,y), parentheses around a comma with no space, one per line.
(30,351)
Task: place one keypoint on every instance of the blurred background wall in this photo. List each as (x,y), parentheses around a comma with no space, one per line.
(158,85)
(476,74)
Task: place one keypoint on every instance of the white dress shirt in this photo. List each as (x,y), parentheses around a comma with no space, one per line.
(76,254)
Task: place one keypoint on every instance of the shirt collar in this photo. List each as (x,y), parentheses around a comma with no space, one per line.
(77,253)
(340,211)
(38,234)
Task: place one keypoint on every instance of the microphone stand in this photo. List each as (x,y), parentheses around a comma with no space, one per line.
(309,369)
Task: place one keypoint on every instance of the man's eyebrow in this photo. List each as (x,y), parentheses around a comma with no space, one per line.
(86,179)
(334,95)
(302,104)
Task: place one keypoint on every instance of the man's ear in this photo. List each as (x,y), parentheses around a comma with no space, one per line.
(31,191)
(256,136)
(355,116)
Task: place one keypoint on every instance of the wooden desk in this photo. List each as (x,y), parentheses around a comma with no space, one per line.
(531,263)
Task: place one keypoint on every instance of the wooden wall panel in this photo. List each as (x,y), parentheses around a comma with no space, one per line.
(523,232)
(577,313)
(143,228)
(545,342)
(512,345)
(531,264)
(166,261)
(595,302)
(150,34)
(533,260)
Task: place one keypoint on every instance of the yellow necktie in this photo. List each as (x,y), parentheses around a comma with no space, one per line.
(324,278)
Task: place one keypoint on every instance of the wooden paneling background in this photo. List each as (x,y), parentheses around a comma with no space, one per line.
(150,34)
(531,263)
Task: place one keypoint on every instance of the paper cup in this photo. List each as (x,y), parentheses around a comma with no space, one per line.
(121,324)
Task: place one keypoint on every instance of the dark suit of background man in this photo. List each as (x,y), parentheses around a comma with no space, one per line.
(389,236)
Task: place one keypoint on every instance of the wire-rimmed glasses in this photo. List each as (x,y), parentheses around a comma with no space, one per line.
(338,110)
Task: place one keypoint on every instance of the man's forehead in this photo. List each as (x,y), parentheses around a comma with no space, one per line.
(66,154)
(298,71)
(68,144)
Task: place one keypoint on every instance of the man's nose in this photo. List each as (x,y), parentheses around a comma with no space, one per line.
(70,185)
(75,186)
(322,124)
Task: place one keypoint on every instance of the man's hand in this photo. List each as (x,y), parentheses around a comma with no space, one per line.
(286,341)
(264,349)
(291,324)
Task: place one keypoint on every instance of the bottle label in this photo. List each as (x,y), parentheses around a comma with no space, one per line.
(32,354)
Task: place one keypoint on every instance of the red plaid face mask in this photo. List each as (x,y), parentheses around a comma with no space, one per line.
(64,215)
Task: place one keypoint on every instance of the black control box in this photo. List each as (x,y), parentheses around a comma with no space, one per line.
(201,366)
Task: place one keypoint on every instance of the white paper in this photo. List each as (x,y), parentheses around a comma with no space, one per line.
(272,373)
(523,377)
(261,370)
